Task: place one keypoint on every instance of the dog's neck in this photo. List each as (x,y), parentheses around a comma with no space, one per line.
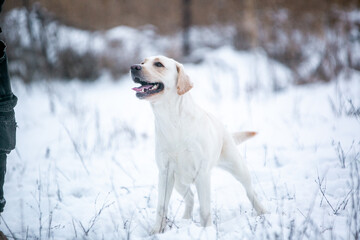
(174,108)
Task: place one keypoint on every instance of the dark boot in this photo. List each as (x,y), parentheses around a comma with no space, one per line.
(7,104)
(2,236)
(2,179)
(5,87)
(1,3)
(7,120)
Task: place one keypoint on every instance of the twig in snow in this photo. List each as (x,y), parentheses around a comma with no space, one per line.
(340,152)
(94,219)
(76,148)
(12,234)
(340,206)
(74,227)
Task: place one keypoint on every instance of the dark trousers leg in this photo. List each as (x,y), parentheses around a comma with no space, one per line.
(2,180)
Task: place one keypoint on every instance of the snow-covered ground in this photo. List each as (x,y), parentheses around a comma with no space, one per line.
(84,164)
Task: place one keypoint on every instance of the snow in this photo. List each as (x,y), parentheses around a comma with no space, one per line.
(84,164)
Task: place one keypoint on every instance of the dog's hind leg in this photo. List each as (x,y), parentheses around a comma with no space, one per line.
(187,194)
(231,161)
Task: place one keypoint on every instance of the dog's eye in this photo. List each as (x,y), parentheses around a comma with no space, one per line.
(158,64)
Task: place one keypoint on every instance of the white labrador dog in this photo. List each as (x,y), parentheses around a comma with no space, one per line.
(189,141)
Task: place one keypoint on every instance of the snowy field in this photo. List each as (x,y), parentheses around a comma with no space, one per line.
(84,165)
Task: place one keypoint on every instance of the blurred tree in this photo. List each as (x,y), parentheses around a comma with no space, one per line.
(284,29)
(186,26)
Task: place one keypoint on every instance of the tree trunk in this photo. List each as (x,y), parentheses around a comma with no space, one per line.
(186,26)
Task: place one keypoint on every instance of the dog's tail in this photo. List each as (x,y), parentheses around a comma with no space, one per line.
(240,137)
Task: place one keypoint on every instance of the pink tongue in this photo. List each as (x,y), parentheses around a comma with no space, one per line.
(139,89)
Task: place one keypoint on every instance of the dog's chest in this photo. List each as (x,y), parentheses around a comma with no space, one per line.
(186,143)
(182,154)
(176,141)
(189,141)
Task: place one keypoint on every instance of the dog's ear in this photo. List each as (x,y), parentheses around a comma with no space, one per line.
(183,81)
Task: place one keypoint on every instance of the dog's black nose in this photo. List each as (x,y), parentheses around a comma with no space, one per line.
(136,67)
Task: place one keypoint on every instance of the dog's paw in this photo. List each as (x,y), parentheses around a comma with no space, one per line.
(154,232)
(157,229)
(261,211)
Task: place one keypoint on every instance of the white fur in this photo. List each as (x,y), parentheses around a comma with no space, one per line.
(189,143)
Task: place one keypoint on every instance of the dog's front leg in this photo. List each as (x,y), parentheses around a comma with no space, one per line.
(202,184)
(166,184)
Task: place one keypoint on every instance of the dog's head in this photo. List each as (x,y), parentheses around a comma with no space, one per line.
(158,77)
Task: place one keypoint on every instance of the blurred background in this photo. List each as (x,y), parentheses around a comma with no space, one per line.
(316,40)
(84,166)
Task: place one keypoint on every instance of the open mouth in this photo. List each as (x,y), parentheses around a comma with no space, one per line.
(147,89)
